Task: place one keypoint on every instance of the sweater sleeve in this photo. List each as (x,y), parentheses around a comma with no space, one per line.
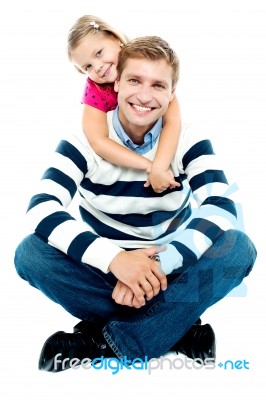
(214,211)
(48,214)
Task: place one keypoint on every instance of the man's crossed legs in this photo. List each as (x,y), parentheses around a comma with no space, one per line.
(169,321)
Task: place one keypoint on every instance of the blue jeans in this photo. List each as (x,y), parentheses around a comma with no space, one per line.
(152,330)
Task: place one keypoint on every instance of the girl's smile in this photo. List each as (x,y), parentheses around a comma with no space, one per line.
(97,57)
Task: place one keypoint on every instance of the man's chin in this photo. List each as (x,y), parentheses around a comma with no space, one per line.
(142,119)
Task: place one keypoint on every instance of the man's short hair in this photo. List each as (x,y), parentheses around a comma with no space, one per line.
(152,48)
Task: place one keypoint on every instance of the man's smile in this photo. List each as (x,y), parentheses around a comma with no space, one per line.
(141,108)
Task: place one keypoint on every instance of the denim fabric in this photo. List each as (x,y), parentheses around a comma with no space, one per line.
(85,292)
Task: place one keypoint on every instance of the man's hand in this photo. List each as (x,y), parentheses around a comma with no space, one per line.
(123,295)
(140,273)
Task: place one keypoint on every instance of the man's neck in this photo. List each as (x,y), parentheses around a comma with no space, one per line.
(140,139)
(137,136)
(136,133)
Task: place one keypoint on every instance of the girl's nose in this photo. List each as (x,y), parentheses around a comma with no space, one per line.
(98,66)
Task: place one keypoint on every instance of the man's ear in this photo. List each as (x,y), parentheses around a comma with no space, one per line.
(116,85)
(172,94)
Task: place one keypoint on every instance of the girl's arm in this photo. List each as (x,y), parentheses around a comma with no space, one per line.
(160,176)
(95,127)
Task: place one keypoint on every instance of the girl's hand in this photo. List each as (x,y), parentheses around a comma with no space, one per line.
(161,180)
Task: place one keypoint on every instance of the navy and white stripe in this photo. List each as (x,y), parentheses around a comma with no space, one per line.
(119,213)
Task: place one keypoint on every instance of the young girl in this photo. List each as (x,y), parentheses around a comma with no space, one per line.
(93,48)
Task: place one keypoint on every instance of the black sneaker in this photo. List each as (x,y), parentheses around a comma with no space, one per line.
(61,348)
(198,344)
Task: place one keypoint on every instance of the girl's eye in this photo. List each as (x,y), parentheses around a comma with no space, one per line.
(99,53)
(88,67)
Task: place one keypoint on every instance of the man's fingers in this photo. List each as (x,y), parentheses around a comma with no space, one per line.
(123,295)
(128,298)
(139,294)
(116,290)
(163,282)
(119,293)
(135,302)
(144,280)
(152,286)
(148,289)
(151,251)
(160,275)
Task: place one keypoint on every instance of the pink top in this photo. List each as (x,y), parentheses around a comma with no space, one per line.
(102,97)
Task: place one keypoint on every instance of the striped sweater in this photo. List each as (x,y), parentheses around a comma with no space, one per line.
(117,212)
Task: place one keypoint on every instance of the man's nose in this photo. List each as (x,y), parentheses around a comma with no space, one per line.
(144,94)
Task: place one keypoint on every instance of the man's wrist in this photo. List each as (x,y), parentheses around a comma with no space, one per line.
(113,260)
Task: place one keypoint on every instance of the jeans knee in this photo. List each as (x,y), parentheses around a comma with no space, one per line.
(240,243)
(23,256)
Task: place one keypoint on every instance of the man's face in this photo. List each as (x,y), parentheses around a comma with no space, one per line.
(144,92)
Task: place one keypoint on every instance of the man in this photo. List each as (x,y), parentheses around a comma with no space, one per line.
(142,267)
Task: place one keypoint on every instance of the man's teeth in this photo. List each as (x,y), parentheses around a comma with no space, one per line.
(141,108)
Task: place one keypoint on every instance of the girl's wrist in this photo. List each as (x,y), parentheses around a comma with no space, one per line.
(148,166)
(157,167)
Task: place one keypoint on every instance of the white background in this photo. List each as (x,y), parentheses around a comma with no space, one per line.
(221,47)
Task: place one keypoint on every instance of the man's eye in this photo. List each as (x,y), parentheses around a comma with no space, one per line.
(159,86)
(133,81)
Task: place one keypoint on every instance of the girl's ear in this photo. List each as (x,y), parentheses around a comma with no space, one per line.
(116,85)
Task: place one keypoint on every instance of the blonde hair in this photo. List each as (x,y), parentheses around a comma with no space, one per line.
(151,48)
(90,25)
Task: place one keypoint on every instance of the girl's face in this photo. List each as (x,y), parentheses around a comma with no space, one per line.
(97,56)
